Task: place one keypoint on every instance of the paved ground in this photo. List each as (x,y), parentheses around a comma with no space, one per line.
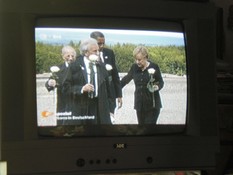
(173,97)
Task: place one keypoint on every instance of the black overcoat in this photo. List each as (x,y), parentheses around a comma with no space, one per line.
(143,98)
(82,104)
(63,100)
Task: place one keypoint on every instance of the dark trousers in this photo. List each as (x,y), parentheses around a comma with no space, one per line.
(112,104)
(93,111)
(148,117)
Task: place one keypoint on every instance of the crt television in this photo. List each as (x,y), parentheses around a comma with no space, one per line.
(185,136)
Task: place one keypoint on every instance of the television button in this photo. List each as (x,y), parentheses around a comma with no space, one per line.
(80,162)
(149,160)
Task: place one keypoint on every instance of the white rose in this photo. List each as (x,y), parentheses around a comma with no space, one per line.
(93,58)
(54,69)
(151,71)
(108,67)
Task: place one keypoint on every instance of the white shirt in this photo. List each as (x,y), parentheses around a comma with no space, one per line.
(67,64)
(86,62)
(101,56)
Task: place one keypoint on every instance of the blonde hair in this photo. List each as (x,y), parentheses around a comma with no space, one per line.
(140,50)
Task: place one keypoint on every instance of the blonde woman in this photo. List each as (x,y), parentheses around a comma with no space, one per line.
(148,82)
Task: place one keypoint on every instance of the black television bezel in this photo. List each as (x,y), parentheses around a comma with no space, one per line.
(26,153)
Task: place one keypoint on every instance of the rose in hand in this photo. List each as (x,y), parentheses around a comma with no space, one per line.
(52,82)
(53,78)
(88,88)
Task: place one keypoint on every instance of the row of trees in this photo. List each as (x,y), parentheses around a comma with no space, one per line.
(171,59)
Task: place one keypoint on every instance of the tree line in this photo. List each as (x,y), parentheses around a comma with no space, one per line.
(171,59)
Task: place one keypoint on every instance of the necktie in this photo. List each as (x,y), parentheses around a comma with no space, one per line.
(92,79)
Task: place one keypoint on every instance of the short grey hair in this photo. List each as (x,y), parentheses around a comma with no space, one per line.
(68,48)
(86,44)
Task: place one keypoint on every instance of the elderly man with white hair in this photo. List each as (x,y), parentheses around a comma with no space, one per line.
(63,101)
(88,84)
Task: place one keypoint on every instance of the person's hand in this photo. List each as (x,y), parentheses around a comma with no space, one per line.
(156,87)
(119,102)
(88,88)
(52,83)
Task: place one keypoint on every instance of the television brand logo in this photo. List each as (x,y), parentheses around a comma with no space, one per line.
(120,146)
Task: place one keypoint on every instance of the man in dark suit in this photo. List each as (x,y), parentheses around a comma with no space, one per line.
(63,101)
(90,104)
(108,58)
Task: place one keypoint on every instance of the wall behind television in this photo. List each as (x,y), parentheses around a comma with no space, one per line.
(228,33)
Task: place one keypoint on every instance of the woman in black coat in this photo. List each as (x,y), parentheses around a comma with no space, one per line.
(148,82)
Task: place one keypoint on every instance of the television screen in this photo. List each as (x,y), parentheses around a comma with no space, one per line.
(165,44)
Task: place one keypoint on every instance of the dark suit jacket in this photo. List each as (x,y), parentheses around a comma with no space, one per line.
(63,101)
(142,96)
(82,104)
(115,85)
